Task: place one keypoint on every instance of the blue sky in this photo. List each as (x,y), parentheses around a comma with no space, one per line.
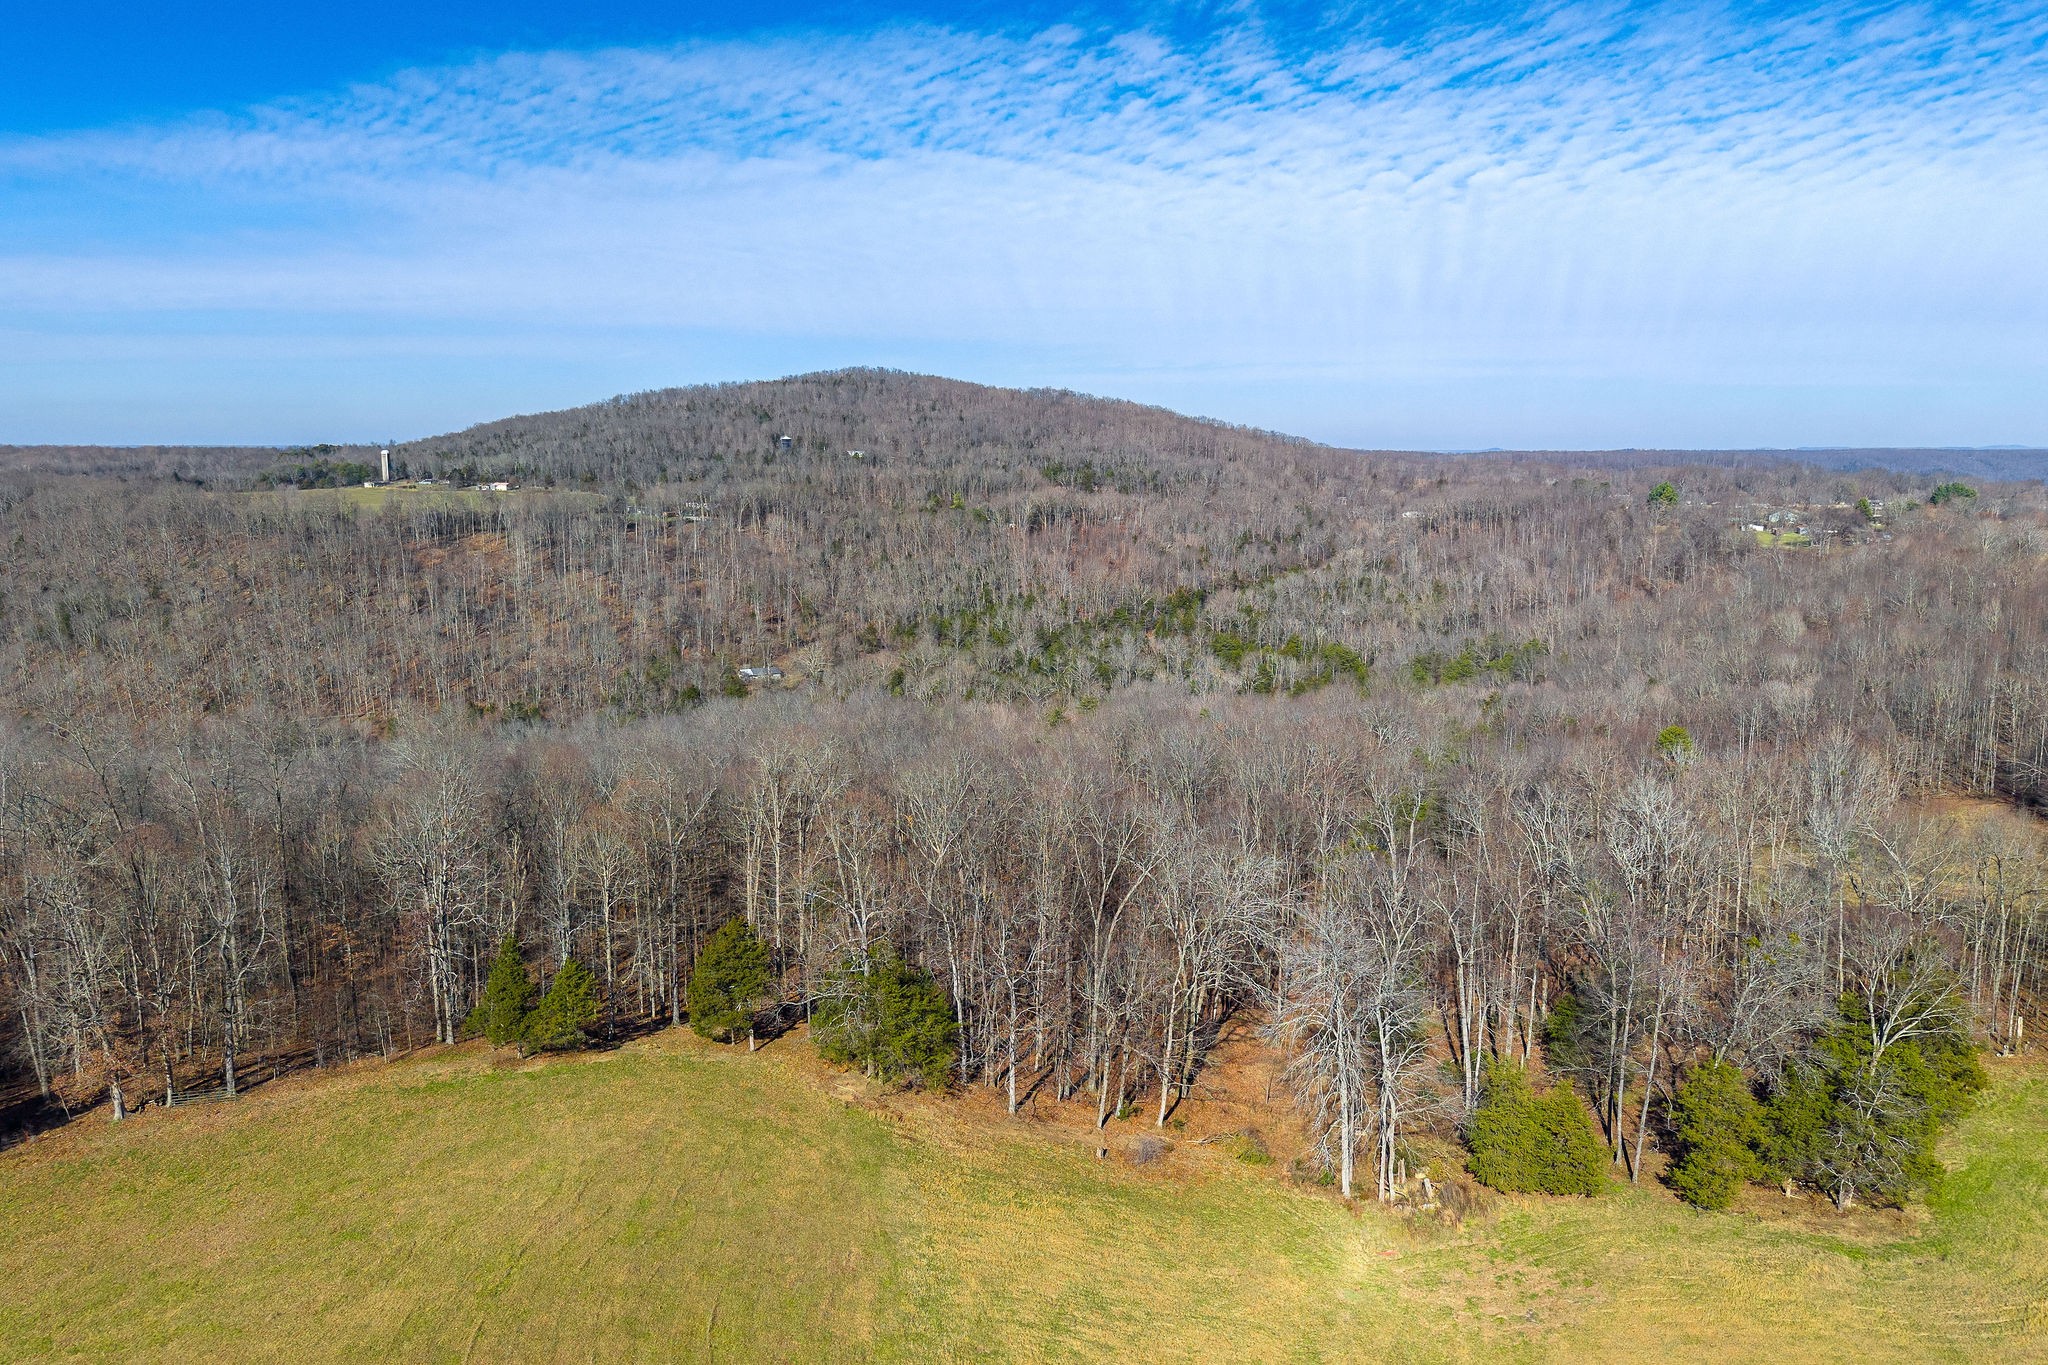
(1434,226)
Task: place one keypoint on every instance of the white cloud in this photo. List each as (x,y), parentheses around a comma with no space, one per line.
(1825,205)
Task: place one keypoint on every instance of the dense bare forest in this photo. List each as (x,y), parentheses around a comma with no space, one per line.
(1118,724)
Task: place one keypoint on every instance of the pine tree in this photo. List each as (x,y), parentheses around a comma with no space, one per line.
(1523,1143)
(1564,1035)
(892,1018)
(1572,1161)
(1503,1134)
(1718,1125)
(729,979)
(508,997)
(1859,1124)
(567,1013)
(1794,1123)
(918,1031)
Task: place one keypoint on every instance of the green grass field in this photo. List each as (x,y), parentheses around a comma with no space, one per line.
(674,1200)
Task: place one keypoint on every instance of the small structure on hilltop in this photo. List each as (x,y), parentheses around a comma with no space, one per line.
(761,673)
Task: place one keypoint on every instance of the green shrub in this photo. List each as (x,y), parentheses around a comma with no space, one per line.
(566,1014)
(1523,1143)
(728,981)
(1718,1127)
(508,996)
(1664,495)
(891,1018)
(1951,492)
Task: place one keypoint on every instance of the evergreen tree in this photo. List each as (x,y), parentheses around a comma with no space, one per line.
(1525,1144)
(1718,1127)
(1502,1134)
(566,1014)
(1794,1119)
(1564,1040)
(508,996)
(729,979)
(893,1019)
(918,1034)
(1573,1161)
(1855,1123)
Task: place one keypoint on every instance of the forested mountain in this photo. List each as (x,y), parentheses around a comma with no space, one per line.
(991,440)
(1107,724)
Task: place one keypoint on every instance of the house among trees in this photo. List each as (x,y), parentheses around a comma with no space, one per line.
(761,673)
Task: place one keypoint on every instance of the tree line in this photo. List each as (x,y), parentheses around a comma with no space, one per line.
(1090,901)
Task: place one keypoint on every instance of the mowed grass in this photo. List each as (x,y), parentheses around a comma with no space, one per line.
(672,1200)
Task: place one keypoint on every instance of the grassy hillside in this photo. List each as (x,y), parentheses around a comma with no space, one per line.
(675,1200)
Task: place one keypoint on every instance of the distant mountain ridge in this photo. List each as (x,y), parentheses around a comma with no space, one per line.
(646,437)
(922,420)
(1988,462)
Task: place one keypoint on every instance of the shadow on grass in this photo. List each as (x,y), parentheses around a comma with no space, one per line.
(25,1116)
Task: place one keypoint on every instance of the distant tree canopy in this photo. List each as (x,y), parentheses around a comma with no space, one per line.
(1664,495)
(1492,659)
(1951,492)
(317,467)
